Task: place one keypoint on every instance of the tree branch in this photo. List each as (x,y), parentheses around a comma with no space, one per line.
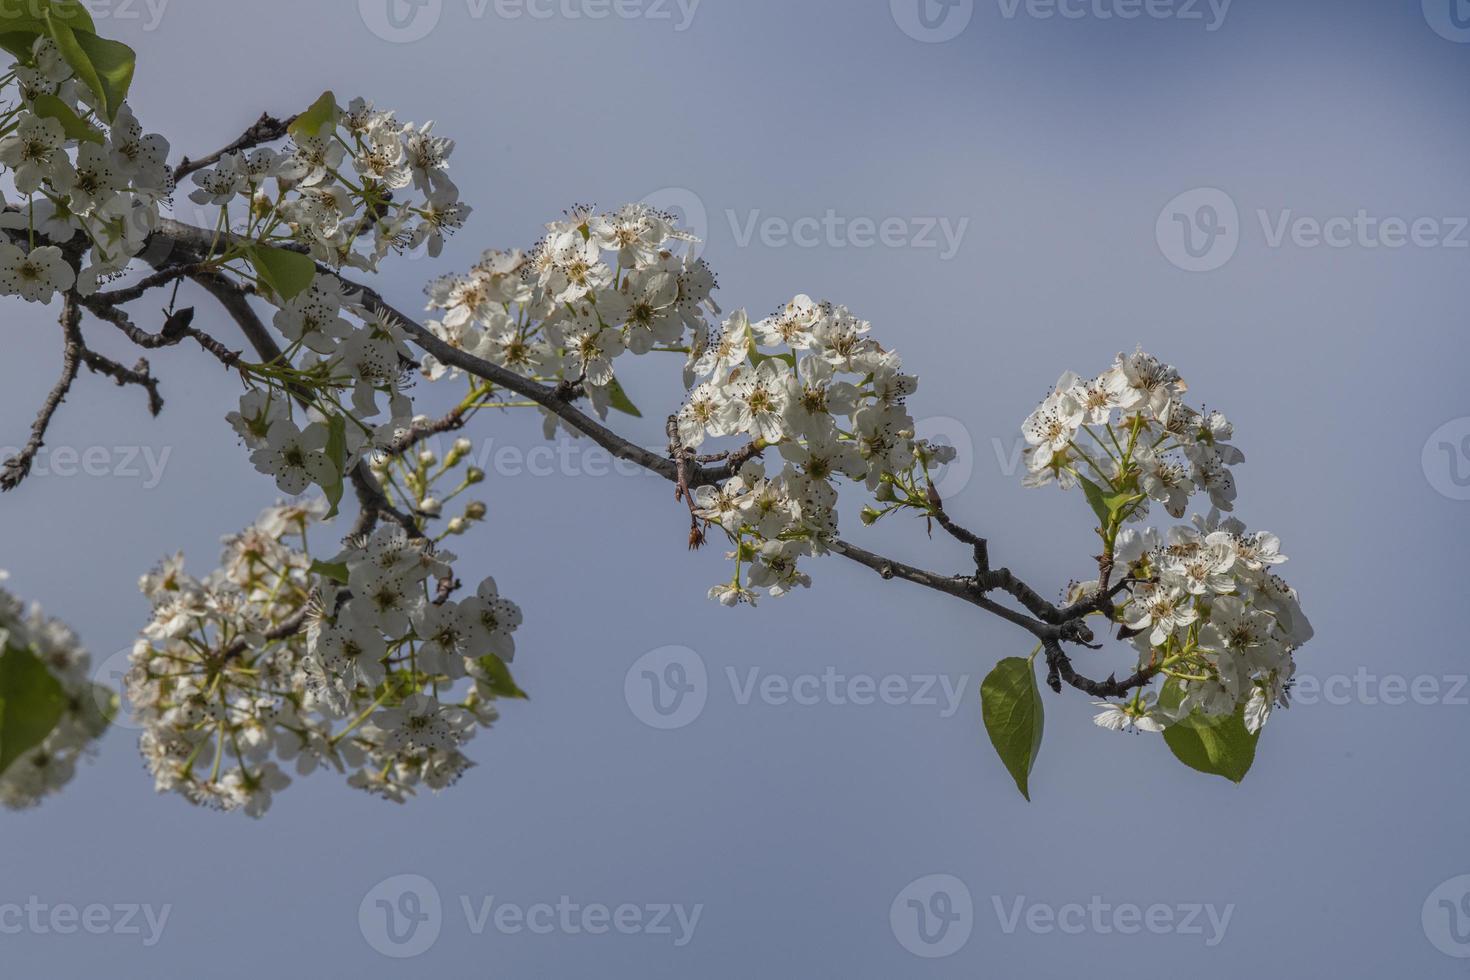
(18,467)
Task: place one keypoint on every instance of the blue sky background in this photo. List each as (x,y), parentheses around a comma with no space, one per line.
(1061,141)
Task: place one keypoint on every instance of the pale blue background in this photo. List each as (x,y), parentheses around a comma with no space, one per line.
(795,827)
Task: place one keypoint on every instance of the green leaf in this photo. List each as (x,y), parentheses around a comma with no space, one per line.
(1096,498)
(756,357)
(18,43)
(1218,745)
(334,570)
(75,126)
(322,117)
(1011,704)
(31,703)
(287,273)
(28,19)
(103,65)
(497,680)
(618,399)
(337,453)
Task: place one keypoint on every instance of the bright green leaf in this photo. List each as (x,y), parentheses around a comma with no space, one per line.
(337,453)
(31,703)
(321,118)
(1097,499)
(497,680)
(336,571)
(75,126)
(1011,704)
(1219,745)
(104,66)
(287,273)
(618,399)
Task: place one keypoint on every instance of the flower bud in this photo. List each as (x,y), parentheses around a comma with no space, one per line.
(431,506)
(475,510)
(427,457)
(474,475)
(457,525)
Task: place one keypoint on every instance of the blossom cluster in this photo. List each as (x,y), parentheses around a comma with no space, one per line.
(76,175)
(807,382)
(85,708)
(354,185)
(1208,610)
(364,664)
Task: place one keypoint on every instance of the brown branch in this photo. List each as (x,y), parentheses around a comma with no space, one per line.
(18,467)
(1049,624)
(138,374)
(266,129)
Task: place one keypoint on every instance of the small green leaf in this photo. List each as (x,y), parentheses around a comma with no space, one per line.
(74,125)
(1011,704)
(1219,745)
(337,453)
(618,399)
(1096,498)
(334,570)
(497,680)
(31,703)
(104,66)
(318,120)
(287,273)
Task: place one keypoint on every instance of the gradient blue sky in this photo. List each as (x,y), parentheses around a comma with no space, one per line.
(1060,140)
